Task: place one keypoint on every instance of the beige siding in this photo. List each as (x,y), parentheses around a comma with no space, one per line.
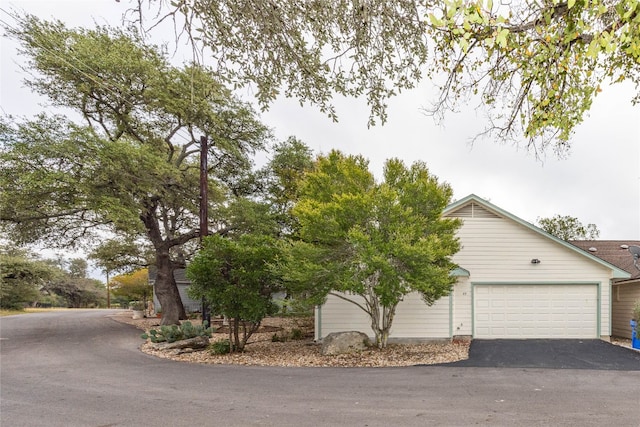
(496,250)
(462,303)
(337,315)
(624,298)
(414,319)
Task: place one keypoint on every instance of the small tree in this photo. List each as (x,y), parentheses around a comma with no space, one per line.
(132,286)
(376,241)
(568,228)
(235,277)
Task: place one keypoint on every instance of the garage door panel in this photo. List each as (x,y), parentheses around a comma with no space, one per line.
(535,311)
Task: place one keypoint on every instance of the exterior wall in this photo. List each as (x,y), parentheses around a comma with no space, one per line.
(499,251)
(413,319)
(495,251)
(622,302)
(462,322)
(190,305)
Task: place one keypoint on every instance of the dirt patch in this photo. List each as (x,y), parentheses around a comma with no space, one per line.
(273,346)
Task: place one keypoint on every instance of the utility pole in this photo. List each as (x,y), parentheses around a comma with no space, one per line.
(204,211)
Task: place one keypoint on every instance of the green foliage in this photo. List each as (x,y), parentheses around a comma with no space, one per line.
(220,347)
(291,160)
(297,334)
(21,277)
(129,169)
(568,228)
(173,333)
(537,66)
(234,277)
(132,286)
(379,241)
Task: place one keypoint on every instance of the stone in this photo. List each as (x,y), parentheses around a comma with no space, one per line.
(193,343)
(344,342)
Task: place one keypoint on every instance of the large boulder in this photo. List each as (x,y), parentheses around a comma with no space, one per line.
(344,342)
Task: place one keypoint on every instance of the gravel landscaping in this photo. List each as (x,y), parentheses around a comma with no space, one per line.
(264,350)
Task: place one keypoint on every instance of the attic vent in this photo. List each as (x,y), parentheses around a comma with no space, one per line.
(592,249)
(473,210)
(624,246)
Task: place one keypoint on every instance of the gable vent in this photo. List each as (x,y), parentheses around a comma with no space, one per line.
(473,210)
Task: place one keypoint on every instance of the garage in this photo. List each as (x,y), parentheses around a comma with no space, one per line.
(535,311)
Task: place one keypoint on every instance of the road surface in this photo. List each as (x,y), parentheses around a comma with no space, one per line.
(82,368)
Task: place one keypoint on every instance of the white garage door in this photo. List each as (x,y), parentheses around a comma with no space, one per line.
(535,311)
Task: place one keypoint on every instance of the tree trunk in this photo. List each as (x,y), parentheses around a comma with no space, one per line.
(167,291)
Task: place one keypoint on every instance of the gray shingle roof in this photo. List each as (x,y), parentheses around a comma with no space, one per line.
(612,251)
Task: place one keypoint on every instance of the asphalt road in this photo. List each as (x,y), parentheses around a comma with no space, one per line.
(82,368)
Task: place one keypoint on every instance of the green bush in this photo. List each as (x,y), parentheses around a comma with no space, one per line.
(297,334)
(278,338)
(220,347)
(175,333)
(636,316)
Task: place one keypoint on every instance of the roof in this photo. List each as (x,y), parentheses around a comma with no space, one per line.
(618,272)
(615,252)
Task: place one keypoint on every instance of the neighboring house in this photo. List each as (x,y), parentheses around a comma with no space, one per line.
(625,292)
(190,305)
(514,281)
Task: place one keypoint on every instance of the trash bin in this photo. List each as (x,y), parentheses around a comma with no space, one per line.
(635,339)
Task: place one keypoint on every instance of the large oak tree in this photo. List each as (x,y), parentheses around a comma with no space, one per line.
(536,65)
(128,166)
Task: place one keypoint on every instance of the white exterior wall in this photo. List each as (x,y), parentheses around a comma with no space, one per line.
(623,300)
(413,319)
(494,250)
(462,323)
(499,251)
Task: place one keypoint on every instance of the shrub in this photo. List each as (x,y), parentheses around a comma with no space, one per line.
(220,347)
(278,338)
(297,334)
(175,333)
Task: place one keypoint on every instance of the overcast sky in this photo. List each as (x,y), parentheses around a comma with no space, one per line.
(598,183)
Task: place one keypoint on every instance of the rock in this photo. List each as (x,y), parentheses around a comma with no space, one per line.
(344,342)
(197,342)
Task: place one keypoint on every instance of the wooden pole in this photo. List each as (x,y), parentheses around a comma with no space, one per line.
(204,210)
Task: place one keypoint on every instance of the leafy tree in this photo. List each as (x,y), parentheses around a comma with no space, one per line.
(75,292)
(130,170)
(78,268)
(291,160)
(133,286)
(235,277)
(567,227)
(537,65)
(372,243)
(21,276)
(116,255)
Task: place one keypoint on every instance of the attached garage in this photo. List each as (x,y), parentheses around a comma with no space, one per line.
(514,281)
(535,311)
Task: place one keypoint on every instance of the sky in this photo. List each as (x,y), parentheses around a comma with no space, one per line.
(599,182)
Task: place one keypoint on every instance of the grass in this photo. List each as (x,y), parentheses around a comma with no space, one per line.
(6,312)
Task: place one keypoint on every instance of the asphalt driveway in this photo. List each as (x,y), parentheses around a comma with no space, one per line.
(550,354)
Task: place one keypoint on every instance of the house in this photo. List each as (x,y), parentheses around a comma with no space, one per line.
(190,305)
(513,281)
(625,292)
